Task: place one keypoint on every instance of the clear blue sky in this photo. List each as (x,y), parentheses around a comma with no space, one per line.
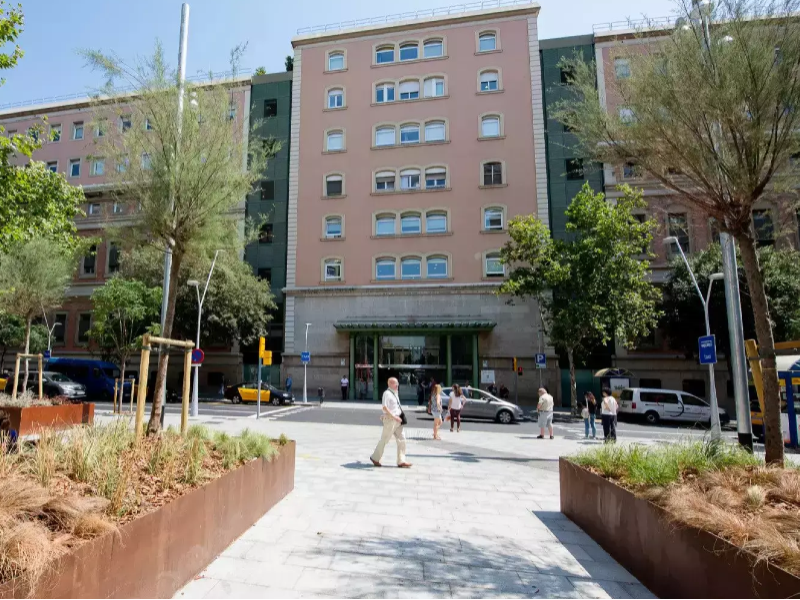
(56,29)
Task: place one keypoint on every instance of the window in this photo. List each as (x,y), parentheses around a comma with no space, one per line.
(77,130)
(626,115)
(640,218)
(270,108)
(60,329)
(630,170)
(567,75)
(265,274)
(410,224)
(384,181)
(53,166)
(267,190)
(384,225)
(94,209)
(333,227)
(574,169)
(409,51)
(334,141)
(622,68)
(409,179)
(435,178)
(231,111)
(113,258)
(433,48)
(147,162)
(436,222)
(492,173)
(384,136)
(690,400)
(650,383)
(266,235)
(409,90)
(84,325)
(489,81)
(98,166)
(384,92)
(696,387)
(659,397)
(384,54)
(122,165)
(125,123)
(336,61)
(490,126)
(409,134)
(89,260)
(333,269)
(100,128)
(148,126)
(713,226)
(385,269)
(118,208)
(55,133)
(487,42)
(763,227)
(493,219)
(434,87)
(435,131)
(336,98)
(333,185)
(678,226)
(75,167)
(410,268)
(436,268)
(494,266)
(33,133)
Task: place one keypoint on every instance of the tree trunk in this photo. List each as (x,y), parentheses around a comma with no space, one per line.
(766,348)
(154,425)
(27,351)
(573,386)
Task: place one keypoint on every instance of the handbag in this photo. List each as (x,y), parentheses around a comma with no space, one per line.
(585,413)
(403,420)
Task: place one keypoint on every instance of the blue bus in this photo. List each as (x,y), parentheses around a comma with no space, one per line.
(97,375)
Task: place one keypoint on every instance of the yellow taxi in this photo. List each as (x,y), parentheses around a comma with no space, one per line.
(246,392)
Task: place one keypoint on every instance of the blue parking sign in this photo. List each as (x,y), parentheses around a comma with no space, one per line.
(707,345)
(541,361)
(305,357)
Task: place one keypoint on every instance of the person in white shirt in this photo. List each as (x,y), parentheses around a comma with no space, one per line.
(608,415)
(545,408)
(345,383)
(457,402)
(392,426)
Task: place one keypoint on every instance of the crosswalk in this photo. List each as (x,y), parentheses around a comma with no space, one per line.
(283,412)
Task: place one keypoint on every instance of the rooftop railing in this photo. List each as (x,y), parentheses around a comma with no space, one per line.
(657,23)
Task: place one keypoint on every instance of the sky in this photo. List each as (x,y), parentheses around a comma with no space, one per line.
(55,30)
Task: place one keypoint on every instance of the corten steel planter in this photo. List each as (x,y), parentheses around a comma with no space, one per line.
(158,553)
(32,418)
(672,561)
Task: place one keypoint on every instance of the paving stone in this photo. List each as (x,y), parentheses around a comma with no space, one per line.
(197,588)
(599,589)
(232,589)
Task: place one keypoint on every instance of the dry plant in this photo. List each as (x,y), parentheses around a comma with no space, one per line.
(25,553)
(24,400)
(20,497)
(45,457)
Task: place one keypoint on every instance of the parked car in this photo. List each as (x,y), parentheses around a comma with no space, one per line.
(246,392)
(483,405)
(97,376)
(670,405)
(56,384)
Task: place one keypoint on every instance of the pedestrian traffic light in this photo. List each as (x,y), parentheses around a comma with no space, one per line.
(519,371)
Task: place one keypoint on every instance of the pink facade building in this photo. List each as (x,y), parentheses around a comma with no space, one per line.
(413,144)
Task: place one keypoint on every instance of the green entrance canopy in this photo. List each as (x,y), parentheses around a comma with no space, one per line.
(449,324)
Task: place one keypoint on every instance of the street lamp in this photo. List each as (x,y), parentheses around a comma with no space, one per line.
(716,430)
(200,299)
(305,369)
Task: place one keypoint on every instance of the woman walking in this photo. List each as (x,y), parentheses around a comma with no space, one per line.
(436,410)
(457,401)
(608,410)
(589,412)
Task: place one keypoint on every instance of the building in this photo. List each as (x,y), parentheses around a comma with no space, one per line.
(413,143)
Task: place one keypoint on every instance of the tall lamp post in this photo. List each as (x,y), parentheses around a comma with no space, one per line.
(200,299)
(305,369)
(716,429)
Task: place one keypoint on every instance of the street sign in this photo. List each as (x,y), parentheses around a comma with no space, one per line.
(541,361)
(197,356)
(305,357)
(708,350)
(47,354)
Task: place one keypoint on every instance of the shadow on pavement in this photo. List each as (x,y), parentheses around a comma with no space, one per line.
(358,465)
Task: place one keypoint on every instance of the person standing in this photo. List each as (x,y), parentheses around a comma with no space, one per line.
(545,408)
(589,411)
(608,414)
(457,401)
(436,410)
(345,383)
(392,418)
(289,384)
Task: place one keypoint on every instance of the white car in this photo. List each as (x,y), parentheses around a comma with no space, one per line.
(669,405)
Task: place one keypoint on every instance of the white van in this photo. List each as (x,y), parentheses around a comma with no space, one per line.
(669,405)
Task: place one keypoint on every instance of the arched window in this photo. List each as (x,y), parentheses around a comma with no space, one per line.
(409,179)
(436,267)
(334,185)
(410,224)
(384,181)
(385,225)
(384,92)
(385,269)
(434,131)
(436,222)
(333,227)
(410,268)
(409,51)
(489,81)
(434,87)
(385,136)
(332,269)
(492,173)
(490,126)
(493,219)
(384,54)
(409,90)
(493,266)
(435,177)
(336,98)
(334,141)
(336,61)
(409,134)
(433,48)
(487,42)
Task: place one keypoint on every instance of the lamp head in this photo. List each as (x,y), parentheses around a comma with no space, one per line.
(670,240)
(716,277)
(193,283)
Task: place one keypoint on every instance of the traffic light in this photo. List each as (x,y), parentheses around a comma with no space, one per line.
(261,347)
(519,371)
(514,363)
(266,357)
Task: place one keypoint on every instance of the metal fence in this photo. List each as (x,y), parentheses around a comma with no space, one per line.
(657,23)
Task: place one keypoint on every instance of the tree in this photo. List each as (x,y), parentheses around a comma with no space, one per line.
(34,277)
(11,22)
(124,310)
(716,125)
(290,63)
(187,177)
(12,336)
(592,287)
(260,71)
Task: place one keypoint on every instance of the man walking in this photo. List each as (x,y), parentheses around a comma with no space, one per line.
(392,426)
(345,383)
(289,384)
(545,409)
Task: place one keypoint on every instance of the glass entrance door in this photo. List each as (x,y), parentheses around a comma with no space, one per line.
(416,362)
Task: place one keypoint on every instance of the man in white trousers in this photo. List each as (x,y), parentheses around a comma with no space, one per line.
(392,426)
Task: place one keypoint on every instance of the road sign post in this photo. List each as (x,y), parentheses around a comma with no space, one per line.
(198,356)
(541,361)
(707,345)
